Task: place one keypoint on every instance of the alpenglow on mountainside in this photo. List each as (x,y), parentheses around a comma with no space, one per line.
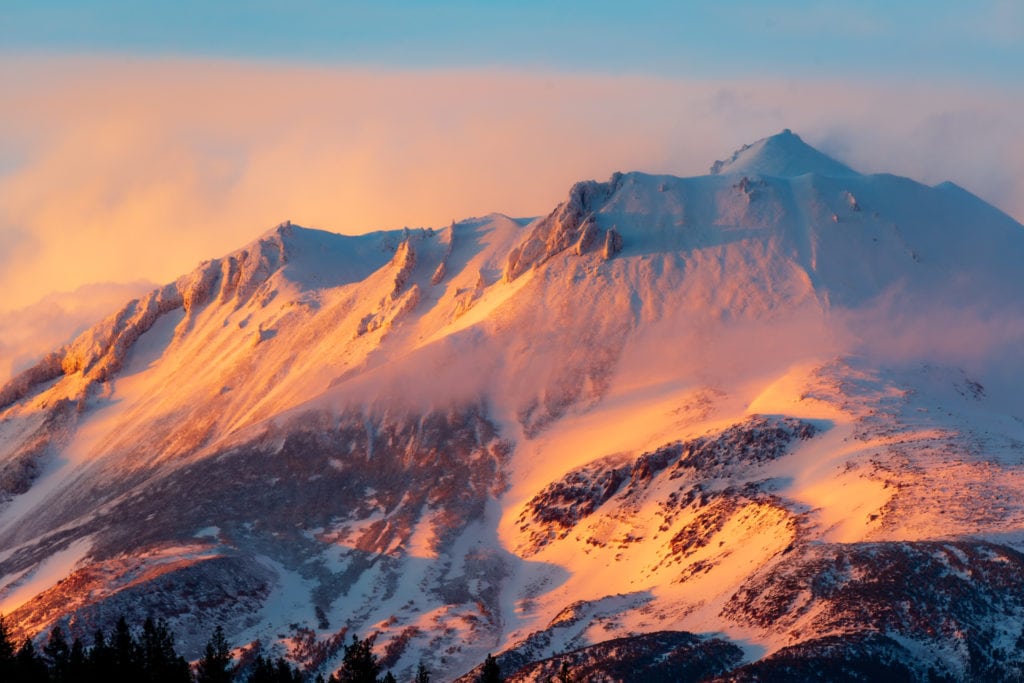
(760,423)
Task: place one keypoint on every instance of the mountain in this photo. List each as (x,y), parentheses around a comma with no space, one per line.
(783,155)
(760,424)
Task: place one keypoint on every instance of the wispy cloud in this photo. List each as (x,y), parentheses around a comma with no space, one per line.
(27,334)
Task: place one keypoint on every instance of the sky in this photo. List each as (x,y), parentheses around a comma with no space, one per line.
(137,139)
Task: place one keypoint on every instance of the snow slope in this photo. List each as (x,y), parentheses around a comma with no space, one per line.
(538,436)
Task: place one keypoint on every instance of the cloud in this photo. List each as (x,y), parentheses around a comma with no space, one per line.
(27,334)
(982,338)
(126,170)
(15,243)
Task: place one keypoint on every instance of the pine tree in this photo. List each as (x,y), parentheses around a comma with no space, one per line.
(160,661)
(359,664)
(215,664)
(286,673)
(261,671)
(99,664)
(491,672)
(422,675)
(57,655)
(564,674)
(279,671)
(77,669)
(29,666)
(388,678)
(6,652)
(125,652)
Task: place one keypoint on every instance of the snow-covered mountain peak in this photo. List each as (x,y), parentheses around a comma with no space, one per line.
(784,155)
(669,404)
(315,258)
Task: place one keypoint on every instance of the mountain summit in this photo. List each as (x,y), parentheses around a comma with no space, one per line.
(784,155)
(760,424)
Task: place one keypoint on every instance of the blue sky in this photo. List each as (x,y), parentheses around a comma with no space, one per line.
(938,41)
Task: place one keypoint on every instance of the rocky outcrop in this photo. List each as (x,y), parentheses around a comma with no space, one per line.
(570,224)
(402,300)
(442,267)
(236,276)
(404,261)
(658,657)
(197,288)
(612,243)
(22,466)
(563,504)
(194,594)
(866,657)
(100,352)
(389,312)
(49,368)
(588,236)
(943,594)
(466,298)
(360,499)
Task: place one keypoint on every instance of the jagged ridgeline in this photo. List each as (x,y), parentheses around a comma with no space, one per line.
(760,424)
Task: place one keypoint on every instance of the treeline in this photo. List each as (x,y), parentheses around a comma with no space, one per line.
(149,656)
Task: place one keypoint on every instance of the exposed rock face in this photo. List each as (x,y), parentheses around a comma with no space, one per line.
(866,657)
(588,235)
(404,262)
(390,311)
(942,594)
(659,657)
(442,267)
(22,468)
(612,243)
(345,501)
(99,352)
(556,510)
(49,368)
(190,593)
(439,273)
(467,299)
(571,223)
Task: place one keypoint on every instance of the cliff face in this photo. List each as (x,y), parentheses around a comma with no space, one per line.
(572,224)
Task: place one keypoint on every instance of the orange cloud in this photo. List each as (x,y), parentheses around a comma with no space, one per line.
(114,171)
(29,333)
